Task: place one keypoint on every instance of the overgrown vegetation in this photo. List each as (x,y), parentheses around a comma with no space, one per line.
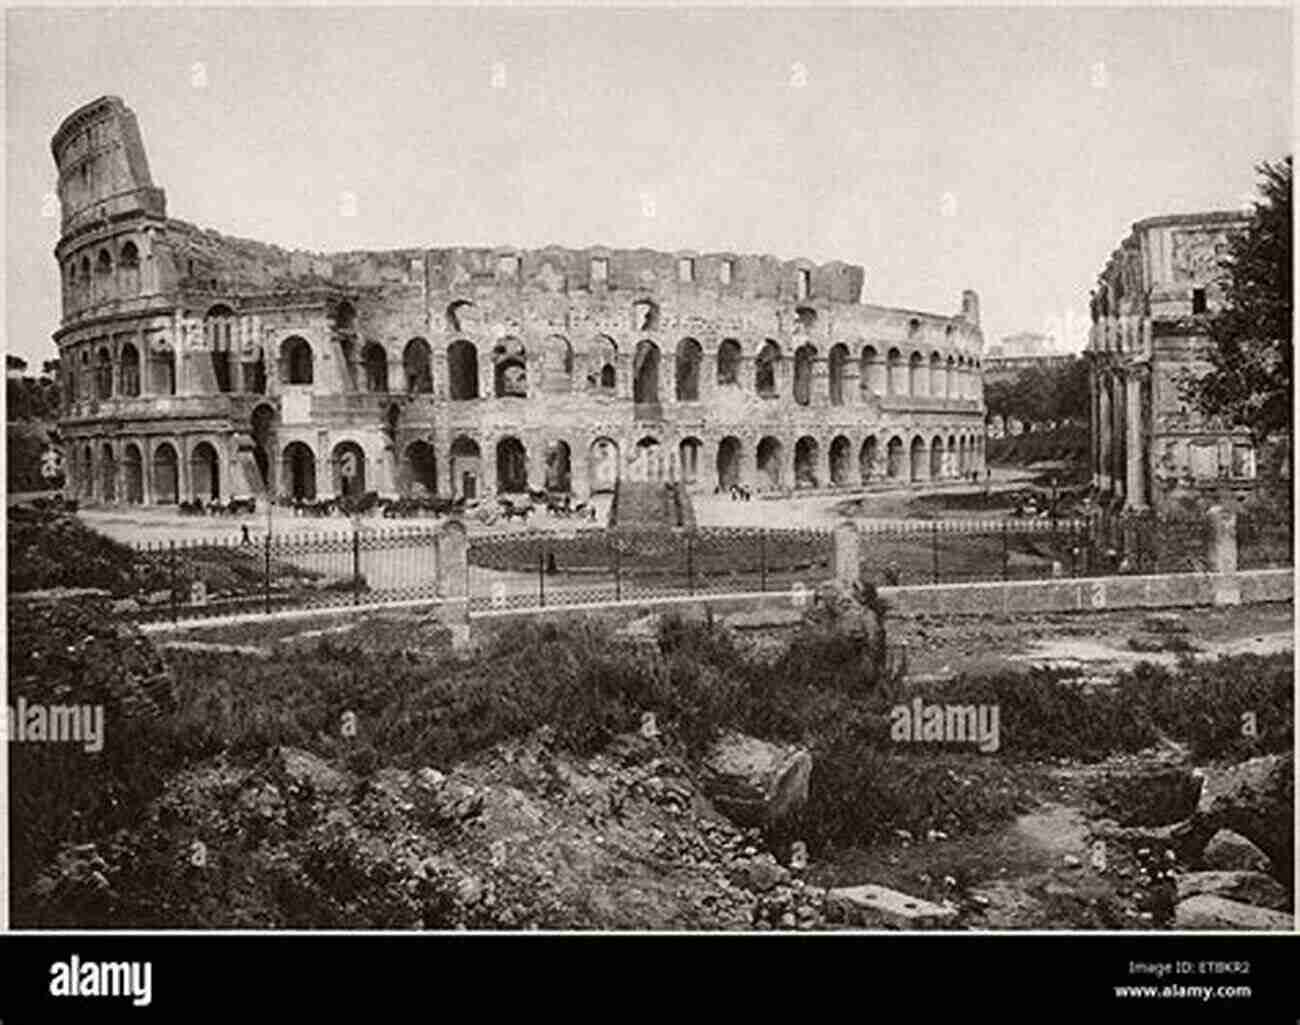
(419,708)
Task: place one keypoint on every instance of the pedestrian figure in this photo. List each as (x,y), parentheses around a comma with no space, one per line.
(246,540)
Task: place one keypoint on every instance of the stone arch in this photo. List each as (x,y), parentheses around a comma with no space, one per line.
(728,362)
(895,458)
(645,371)
(917,464)
(162,368)
(559,467)
(602,465)
(936,458)
(104,275)
(297,364)
(374,359)
(348,462)
(512,466)
(454,315)
(558,364)
(767,366)
(462,370)
(689,359)
(132,474)
(417,365)
(604,365)
(804,357)
(466,468)
(645,315)
(129,370)
(934,385)
(218,332)
(509,369)
(895,373)
(837,363)
(688,459)
(108,472)
(950,457)
(769,460)
(869,459)
(806,454)
(841,460)
(872,373)
(916,375)
(298,465)
(727,462)
(205,472)
(128,263)
(950,379)
(166,476)
(104,374)
(421,465)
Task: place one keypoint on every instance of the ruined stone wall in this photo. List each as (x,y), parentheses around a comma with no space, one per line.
(199,365)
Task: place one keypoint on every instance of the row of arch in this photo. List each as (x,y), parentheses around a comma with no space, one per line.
(767,464)
(509,360)
(114,273)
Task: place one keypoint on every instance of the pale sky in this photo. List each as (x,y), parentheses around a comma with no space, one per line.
(1005,150)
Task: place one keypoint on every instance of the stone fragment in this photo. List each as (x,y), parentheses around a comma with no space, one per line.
(754,782)
(1207,912)
(878,907)
(1247,887)
(1233,852)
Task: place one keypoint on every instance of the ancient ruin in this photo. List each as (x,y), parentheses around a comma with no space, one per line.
(1149,446)
(199,366)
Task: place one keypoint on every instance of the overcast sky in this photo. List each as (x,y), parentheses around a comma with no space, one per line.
(1005,150)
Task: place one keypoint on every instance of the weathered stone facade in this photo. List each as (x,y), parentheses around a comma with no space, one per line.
(197,365)
(1149,447)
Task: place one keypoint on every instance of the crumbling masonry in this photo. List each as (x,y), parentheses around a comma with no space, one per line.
(200,366)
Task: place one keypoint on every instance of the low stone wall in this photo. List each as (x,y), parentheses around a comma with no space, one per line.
(1172,590)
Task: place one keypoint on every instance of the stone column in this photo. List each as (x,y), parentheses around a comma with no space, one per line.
(1103,431)
(324,469)
(845,557)
(1134,470)
(1222,555)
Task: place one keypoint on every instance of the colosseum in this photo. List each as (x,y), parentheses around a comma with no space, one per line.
(199,366)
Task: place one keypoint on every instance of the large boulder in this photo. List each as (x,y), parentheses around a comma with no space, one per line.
(1247,887)
(1206,912)
(756,783)
(1255,798)
(1232,852)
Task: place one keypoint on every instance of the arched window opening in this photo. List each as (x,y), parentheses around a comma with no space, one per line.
(375,360)
(803,374)
(510,369)
(689,358)
(769,461)
(645,370)
(296,361)
(765,369)
(417,363)
(729,355)
(462,371)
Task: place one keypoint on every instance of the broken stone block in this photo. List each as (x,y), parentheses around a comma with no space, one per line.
(1247,887)
(1233,852)
(878,907)
(756,783)
(1206,912)
(1256,799)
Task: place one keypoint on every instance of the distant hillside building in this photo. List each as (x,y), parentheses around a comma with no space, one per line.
(1149,330)
(1024,351)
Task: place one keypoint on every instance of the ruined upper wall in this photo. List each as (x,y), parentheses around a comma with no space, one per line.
(103,170)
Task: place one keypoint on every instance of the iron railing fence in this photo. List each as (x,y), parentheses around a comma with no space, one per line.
(196,578)
(536,568)
(1265,538)
(911,552)
(527,569)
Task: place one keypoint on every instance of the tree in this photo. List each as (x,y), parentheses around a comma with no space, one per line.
(1250,380)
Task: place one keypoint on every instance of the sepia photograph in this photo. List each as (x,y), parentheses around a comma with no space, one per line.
(659,469)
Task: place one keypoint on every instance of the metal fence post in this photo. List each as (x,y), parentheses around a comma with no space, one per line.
(618,583)
(541,578)
(690,564)
(934,550)
(171,571)
(267,573)
(1006,550)
(762,560)
(356,566)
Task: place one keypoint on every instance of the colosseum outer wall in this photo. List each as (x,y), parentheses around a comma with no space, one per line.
(200,366)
